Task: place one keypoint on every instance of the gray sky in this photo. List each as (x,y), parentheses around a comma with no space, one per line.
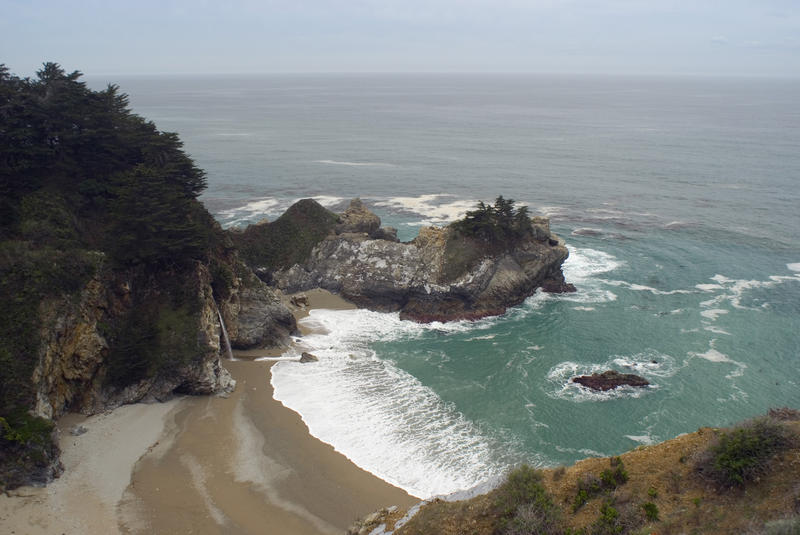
(730,37)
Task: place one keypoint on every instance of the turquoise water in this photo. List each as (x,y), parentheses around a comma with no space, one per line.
(678,199)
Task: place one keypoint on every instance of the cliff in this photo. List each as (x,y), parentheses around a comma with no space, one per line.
(712,481)
(113,275)
(444,274)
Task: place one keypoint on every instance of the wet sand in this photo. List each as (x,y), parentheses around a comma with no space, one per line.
(247,464)
(241,464)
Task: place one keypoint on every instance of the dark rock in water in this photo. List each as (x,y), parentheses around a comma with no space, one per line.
(308,357)
(556,286)
(609,380)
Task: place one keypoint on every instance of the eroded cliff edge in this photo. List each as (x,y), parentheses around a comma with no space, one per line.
(444,274)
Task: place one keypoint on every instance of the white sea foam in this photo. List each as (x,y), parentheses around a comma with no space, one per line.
(793,267)
(584,309)
(650,364)
(356,164)
(253,210)
(643,288)
(582,268)
(713,314)
(379,416)
(714,355)
(641,439)
(437,209)
(716,330)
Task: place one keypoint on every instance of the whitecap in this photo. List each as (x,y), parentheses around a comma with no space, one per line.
(643,288)
(713,313)
(585,309)
(712,355)
(716,330)
(793,267)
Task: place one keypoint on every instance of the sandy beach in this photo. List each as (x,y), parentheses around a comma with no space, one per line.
(241,464)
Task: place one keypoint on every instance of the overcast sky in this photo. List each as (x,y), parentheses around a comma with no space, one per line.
(730,37)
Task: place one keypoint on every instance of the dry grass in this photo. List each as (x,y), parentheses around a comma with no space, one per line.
(663,475)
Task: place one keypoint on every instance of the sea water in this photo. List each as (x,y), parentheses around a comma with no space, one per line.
(679,202)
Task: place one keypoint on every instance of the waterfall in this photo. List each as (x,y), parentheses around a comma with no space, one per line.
(225,335)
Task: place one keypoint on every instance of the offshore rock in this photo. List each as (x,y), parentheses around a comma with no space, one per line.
(439,276)
(608,380)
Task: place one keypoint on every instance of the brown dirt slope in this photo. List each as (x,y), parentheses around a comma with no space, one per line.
(666,475)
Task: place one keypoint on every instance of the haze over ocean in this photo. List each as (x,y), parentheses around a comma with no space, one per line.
(678,199)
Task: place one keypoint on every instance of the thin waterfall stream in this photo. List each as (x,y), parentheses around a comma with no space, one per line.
(225,335)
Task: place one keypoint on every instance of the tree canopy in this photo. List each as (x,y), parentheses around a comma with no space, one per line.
(500,223)
(132,183)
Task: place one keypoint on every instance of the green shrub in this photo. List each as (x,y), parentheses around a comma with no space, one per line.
(743,453)
(608,523)
(650,511)
(590,485)
(525,506)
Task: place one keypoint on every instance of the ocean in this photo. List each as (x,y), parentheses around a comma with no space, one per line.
(678,199)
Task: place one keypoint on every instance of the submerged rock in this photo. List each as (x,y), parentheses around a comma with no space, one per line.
(609,380)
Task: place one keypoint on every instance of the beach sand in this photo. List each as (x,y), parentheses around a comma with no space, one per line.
(241,464)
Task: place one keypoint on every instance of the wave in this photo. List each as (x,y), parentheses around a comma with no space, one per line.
(356,164)
(258,208)
(380,417)
(714,355)
(581,268)
(643,288)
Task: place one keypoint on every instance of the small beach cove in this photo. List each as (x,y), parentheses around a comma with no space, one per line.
(241,464)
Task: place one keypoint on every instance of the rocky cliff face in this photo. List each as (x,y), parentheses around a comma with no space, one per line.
(73,368)
(438,276)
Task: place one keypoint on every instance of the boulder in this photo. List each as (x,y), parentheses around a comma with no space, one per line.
(609,380)
(358,219)
(308,357)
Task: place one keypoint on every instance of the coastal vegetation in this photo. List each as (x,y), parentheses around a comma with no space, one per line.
(288,240)
(663,488)
(90,190)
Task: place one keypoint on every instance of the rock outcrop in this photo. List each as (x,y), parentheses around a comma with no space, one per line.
(72,373)
(610,379)
(439,276)
(255,315)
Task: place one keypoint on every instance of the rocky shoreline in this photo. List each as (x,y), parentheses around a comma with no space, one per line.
(441,275)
